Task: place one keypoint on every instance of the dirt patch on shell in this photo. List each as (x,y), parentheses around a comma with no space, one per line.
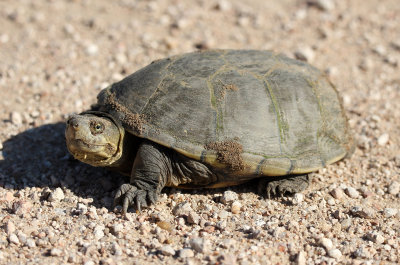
(228,152)
(226,87)
(133,120)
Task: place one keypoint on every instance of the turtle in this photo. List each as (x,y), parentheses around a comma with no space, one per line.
(213,119)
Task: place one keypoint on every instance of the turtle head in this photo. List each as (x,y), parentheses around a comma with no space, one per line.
(94,138)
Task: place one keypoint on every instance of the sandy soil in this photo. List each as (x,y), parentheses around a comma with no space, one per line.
(55,56)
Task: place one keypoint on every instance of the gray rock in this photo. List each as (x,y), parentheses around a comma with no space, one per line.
(182,209)
(200,244)
(375,237)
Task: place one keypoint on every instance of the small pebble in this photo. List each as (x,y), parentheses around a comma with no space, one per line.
(200,244)
(21,207)
(335,253)
(383,139)
(375,237)
(326,243)
(182,209)
(98,232)
(92,49)
(229,196)
(16,118)
(367,213)
(389,212)
(167,250)
(305,54)
(298,198)
(186,253)
(236,206)
(13,239)
(301,258)
(337,193)
(9,227)
(325,5)
(352,192)
(193,218)
(30,243)
(56,195)
(116,249)
(394,188)
(56,252)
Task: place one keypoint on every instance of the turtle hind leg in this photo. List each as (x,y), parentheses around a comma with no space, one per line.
(272,187)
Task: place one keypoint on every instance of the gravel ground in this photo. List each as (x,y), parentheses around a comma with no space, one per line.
(55,56)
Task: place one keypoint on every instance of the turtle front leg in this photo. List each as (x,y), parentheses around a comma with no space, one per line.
(283,185)
(150,172)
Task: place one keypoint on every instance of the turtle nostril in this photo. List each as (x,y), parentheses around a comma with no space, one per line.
(73,122)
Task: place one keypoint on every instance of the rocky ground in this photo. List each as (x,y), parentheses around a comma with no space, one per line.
(55,56)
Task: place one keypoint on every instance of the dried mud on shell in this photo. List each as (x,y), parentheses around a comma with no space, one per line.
(133,120)
(229,153)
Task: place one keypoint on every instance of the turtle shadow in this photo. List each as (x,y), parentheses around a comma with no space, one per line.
(38,157)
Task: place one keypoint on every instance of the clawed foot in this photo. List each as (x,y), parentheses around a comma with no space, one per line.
(282,186)
(130,196)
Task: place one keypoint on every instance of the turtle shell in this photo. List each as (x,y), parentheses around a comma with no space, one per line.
(255,112)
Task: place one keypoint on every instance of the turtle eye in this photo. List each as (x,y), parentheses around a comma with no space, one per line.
(96,127)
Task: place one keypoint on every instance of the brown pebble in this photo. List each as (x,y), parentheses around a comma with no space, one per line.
(337,193)
(165,225)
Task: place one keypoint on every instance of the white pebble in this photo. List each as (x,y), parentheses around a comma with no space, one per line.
(383,139)
(325,5)
(186,253)
(167,250)
(13,239)
(326,243)
(394,188)
(298,198)
(305,54)
(99,232)
(56,252)
(92,49)
(335,253)
(200,244)
(301,258)
(229,196)
(16,118)
(236,207)
(389,212)
(352,192)
(56,195)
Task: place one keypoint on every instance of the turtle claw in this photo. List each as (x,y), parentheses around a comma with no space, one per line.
(130,195)
(283,186)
